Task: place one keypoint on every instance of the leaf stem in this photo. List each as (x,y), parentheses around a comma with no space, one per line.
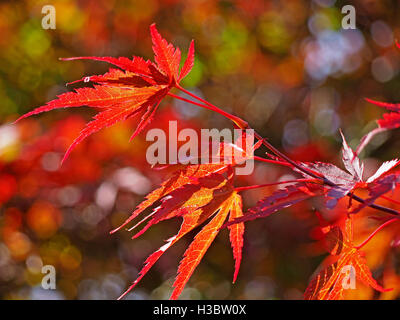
(272,161)
(375,206)
(287,159)
(390,199)
(244,125)
(375,232)
(238,189)
(190,101)
(238,121)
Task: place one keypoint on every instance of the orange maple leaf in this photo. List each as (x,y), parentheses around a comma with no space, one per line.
(195,193)
(345,259)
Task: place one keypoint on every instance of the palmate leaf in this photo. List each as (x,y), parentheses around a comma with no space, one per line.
(195,193)
(120,94)
(192,213)
(347,182)
(328,283)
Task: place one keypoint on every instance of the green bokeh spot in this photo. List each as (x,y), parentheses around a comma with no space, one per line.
(274,34)
(231,52)
(34,39)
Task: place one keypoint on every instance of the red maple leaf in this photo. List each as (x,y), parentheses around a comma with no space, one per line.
(135,90)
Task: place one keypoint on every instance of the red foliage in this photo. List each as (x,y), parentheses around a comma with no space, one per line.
(206,194)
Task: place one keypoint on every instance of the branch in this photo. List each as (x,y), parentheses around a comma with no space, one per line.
(367,138)
(244,125)
(238,189)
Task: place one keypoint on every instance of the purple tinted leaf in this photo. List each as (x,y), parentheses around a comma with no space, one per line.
(335,194)
(385,167)
(330,172)
(379,188)
(351,161)
(278,200)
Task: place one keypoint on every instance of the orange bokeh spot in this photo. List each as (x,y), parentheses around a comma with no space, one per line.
(70,258)
(44,219)
(18,244)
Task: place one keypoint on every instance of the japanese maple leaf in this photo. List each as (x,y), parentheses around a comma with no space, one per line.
(134,91)
(195,193)
(347,181)
(331,281)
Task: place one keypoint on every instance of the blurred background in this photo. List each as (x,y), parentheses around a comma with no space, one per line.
(287,67)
